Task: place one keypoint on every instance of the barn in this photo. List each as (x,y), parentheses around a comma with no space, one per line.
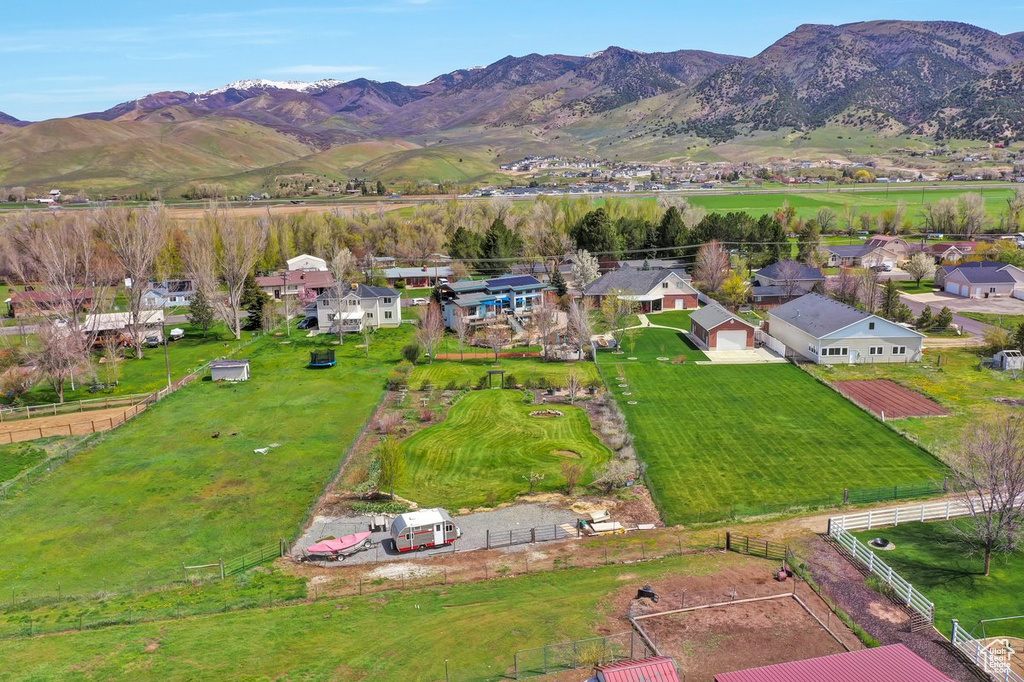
(229,370)
(715,328)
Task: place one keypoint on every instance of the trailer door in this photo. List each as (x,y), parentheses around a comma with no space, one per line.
(438,534)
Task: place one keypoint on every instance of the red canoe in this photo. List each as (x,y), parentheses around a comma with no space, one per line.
(339,545)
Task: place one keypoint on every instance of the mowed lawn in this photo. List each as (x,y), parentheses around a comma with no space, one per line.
(476,627)
(162,490)
(935,559)
(723,439)
(468,372)
(480,453)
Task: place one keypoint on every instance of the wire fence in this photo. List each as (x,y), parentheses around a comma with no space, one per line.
(581,653)
(8,414)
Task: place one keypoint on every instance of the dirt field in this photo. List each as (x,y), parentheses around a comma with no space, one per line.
(74,424)
(739,636)
(244,210)
(886,398)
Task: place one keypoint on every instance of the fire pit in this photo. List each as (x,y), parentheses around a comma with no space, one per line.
(881,543)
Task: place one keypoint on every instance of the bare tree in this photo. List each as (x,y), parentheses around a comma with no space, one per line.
(989,468)
(788,273)
(921,265)
(61,354)
(971,216)
(545,318)
(584,269)
(431,330)
(573,383)
(461,326)
(578,327)
(712,266)
(870,288)
(573,473)
(616,307)
(496,336)
(341,265)
(113,358)
(940,217)
(135,238)
(845,287)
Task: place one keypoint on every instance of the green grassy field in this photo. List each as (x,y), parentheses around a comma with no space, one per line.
(679,319)
(161,491)
(744,438)
(488,442)
(468,372)
(938,563)
(17,457)
(476,628)
(953,378)
(149,373)
(1011,322)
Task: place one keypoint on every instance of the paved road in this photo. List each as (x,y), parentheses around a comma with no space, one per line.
(970,326)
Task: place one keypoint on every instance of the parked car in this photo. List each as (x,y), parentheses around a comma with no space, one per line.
(307,323)
(419,301)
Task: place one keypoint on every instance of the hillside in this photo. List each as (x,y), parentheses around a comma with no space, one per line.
(811,90)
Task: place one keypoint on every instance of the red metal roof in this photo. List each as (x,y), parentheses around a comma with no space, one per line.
(654,669)
(311,278)
(893,663)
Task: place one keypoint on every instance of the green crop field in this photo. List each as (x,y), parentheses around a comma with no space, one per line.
(952,377)
(745,438)
(939,563)
(488,442)
(475,627)
(161,490)
(468,372)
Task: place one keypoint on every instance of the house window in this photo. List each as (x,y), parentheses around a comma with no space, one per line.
(899,350)
(664,285)
(871,325)
(387,301)
(812,349)
(876,350)
(387,314)
(991,290)
(835,350)
(369,316)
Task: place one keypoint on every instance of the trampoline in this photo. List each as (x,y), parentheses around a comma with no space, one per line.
(320,359)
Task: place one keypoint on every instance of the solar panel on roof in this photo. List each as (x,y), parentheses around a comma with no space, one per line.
(514,281)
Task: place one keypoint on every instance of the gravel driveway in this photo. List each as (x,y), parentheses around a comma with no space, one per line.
(474,531)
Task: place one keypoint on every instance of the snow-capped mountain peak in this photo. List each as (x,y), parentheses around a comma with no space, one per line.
(264,84)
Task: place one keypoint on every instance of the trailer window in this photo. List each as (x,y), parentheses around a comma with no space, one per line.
(438,528)
(448,528)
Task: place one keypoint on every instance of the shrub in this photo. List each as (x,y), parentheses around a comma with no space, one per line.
(388,423)
(411,352)
(426,415)
(451,386)
(481,383)
(370,508)
(510,381)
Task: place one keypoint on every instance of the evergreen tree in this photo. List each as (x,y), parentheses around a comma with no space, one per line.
(925,319)
(1018,338)
(558,283)
(890,300)
(253,299)
(596,234)
(500,246)
(944,318)
(465,245)
(200,312)
(381,190)
(672,231)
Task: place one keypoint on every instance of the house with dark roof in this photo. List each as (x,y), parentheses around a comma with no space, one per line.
(893,663)
(419,277)
(653,290)
(715,328)
(360,307)
(984,279)
(292,283)
(828,332)
(484,300)
(874,252)
(783,280)
(950,252)
(943,270)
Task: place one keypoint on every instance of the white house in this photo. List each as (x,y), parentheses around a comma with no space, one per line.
(363,306)
(984,282)
(828,332)
(169,294)
(306,262)
(653,290)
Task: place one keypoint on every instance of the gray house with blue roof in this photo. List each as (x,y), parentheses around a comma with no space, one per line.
(482,301)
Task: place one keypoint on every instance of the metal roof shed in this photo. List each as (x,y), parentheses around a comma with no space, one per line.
(229,370)
(893,663)
(654,669)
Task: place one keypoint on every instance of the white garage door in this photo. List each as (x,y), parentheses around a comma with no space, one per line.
(732,340)
(680,304)
(953,288)
(965,291)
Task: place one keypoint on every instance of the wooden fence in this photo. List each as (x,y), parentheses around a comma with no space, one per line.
(756,547)
(8,414)
(82,428)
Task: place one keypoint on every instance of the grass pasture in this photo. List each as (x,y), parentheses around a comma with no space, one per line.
(476,627)
(466,373)
(488,442)
(160,490)
(17,457)
(934,558)
(749,438)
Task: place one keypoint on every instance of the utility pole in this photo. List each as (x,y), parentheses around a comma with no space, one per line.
(166,342)
(287,309)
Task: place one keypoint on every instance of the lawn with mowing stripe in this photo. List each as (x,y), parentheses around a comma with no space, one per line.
(525,370)
(161,490)
(718,438)
(476,628)
(488,442)
(937,561)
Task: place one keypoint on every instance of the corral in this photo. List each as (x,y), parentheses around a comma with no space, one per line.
(889,400)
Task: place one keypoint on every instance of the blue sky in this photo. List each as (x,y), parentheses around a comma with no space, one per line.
(73,56)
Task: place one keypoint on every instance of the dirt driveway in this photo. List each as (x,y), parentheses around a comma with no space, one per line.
(73,424)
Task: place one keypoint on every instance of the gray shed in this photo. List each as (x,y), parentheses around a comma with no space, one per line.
(229,370)
(1009,359)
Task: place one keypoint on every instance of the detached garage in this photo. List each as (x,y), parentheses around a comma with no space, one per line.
(715,328)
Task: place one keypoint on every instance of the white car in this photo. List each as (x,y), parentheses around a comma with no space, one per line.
(419,301)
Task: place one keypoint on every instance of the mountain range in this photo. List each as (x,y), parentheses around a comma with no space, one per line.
(881,78)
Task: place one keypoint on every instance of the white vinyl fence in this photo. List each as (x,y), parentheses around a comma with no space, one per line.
(770,342)
(991,660)
(935,511)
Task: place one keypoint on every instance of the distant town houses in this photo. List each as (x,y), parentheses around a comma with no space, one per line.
(169,294)
(510,298)
(875,252)
(360,307)
(784,280)
(303,284)
(418,277)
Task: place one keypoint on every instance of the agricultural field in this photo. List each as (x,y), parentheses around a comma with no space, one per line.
(479,454)
(332,638)
(743,439)
(937,561)
(190,487)
(952,377)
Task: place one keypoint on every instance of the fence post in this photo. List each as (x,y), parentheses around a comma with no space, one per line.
(488,538)
(533,535)
(846,496)
(221,562)
(728,541)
